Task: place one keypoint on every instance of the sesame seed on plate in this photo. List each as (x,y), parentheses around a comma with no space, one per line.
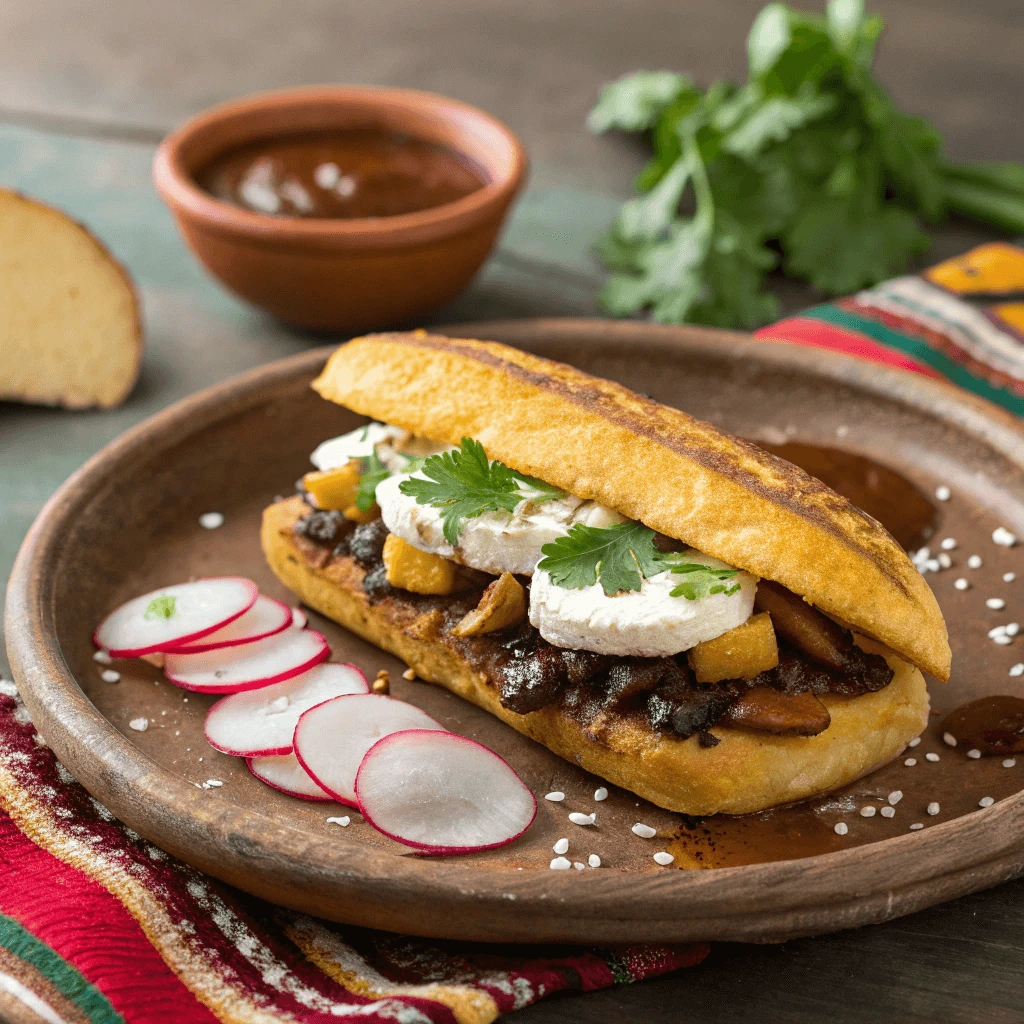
(974,753)
(103,657)
(643,831)
(933,808)
(841,828)
(1009,762)
(916,826)
(600,794)
(579,865)
(594,861)
(562,846)
(996,631)
(664,858)
(1012,628)
(931,757)
(1002,536)
(949,544)
(949,739)
(910,762)
(868,811)
(108,675)
(995,603)
(945,561)
(212,784)
(139,724)
(1017,670)
(560,864)
(343,821)
(555,797)
(888,812)
(1009,577)
(942,492)
(961,584)
(974,562)
(577,818)
(914,742)
(986,801)
(211,520)
(1003,640)
(895,797)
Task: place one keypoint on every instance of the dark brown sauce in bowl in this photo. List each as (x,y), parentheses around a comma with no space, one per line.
(352,173)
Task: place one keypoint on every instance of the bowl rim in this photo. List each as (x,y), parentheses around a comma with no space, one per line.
(174,181)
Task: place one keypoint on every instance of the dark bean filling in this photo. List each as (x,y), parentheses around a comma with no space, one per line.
(530,673)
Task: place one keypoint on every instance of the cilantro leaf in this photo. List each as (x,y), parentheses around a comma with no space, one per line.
(374,472)
(161,607)
(634,102)
(701,580)
(464,484)
(620,557)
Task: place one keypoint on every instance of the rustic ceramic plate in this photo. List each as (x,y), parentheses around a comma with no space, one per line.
(128,522)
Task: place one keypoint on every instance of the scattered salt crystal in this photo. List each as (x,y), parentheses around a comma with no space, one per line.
(1003,537)
(933,565)
(1003,640)
(108,675)
(916,826)
(560,864)
(139,724)
(841,828)
(346,187)
(931,757)
(663,858)
(868,811)
(555,797)
(1009,577)
(594,861)
(914,742)
(327,175)
(103,657)
(577,818)
(211,520)
(343,821)
(601,794)
(1017,670)
(995,603)
(948,544)
(961,584)
(942,492)
(1012,628)
(212,784)
(974,562)
(933,808)
(974,753)
(910,762)
(644,831)
(579,865)
(1009,762)
(888,812)
(949,739)
(996,631)
(986,801)
(895,796)
(562,846)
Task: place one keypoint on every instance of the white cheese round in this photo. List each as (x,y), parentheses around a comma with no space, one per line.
(644,623)
(357,444)
(494,542)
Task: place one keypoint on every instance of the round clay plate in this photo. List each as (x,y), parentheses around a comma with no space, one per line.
(129,522)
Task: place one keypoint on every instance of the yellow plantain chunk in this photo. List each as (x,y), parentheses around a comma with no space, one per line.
(502,604)
(334,489)
(742,653)
(418,571)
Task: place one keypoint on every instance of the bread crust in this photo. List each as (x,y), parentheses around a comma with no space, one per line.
(747,771)
(678,475)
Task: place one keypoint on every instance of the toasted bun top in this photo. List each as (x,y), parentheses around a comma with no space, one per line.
(678,475)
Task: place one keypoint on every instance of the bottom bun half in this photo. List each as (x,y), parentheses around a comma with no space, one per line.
(747,771)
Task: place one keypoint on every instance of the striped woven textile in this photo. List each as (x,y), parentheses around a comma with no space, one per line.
(97,925)
(962,320)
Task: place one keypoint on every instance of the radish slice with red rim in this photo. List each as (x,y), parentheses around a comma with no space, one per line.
(174,615)
(261,722)
(331,739)
(284,773)
(265,618)
(443,793)
(249,666)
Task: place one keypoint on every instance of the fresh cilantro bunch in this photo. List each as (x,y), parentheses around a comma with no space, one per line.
(465,484)
(810,159)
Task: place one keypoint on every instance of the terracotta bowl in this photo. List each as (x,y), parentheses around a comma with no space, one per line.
(342,275)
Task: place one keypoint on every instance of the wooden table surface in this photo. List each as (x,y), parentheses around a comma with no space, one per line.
(88,88)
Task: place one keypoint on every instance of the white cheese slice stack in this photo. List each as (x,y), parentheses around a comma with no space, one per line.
(644,623)
(494,542)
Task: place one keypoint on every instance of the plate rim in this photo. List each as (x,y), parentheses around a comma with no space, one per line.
(379,887)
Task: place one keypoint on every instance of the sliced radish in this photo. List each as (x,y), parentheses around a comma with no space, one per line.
(283,772)
(260,663)
(265,618)
(443,793)
(261,722)
(174,615)
(331,739)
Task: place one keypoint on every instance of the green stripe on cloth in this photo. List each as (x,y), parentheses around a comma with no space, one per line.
(89,999)
(919,349)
